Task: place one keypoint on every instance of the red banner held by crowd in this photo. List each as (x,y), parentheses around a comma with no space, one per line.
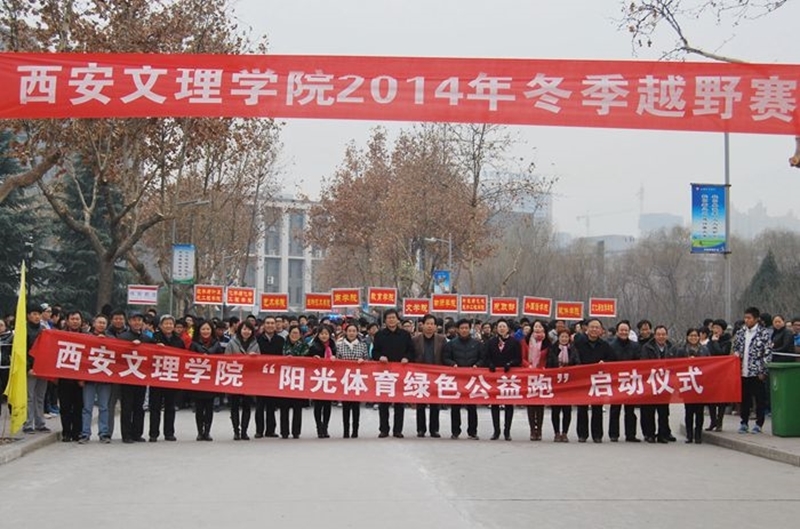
(708,96)
(61,354)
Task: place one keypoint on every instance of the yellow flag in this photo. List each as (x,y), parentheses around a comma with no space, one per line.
(17,389)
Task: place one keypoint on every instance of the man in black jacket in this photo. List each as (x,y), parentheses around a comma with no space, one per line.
(159,396)
(132,397)
(392,344)
(592,350)
(659,348)
(269,343)
(463,351)
(718,345)
(428,350)
(625,350)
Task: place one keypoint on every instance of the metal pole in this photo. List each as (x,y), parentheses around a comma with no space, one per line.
(727,257)
(172,269)
(450,254)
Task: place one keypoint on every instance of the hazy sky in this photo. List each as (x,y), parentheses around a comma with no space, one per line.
(600,171)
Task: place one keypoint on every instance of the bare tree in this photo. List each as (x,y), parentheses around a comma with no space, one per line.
(645,18)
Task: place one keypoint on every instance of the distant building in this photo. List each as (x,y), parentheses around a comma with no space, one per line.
(612,244)
(284,264)
(755,220)
(650,222)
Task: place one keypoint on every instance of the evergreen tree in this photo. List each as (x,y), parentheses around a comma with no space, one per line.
(765,287)
(23,230)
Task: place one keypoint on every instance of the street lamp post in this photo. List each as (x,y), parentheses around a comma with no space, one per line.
(195,202)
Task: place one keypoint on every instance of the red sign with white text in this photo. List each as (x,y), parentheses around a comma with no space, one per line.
(382,297)
(61,354)
(541,307)
(208,295)
(473,304)
(274,302)
(240,297)
(505,307)
(318,302)
(416,307)
(695,96)
(345,297)
(602,307)
(569,310)
(444,303)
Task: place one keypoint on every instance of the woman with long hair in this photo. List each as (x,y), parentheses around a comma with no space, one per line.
(536,358)
(243,343)
(351,347)
(561,354)
(323,347)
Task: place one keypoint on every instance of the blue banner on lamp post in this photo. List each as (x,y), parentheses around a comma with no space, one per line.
(441,282)
(708,218)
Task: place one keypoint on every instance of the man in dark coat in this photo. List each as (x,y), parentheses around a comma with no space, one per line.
(428,350)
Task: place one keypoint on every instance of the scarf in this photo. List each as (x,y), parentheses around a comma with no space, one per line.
(563,354)
(535,353)
(501,343)
(328,352)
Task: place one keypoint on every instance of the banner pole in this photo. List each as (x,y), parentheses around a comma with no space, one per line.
(727,257)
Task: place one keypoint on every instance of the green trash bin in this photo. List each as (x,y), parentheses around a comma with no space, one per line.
(784,381)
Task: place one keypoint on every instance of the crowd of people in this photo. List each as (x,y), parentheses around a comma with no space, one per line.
(502,344)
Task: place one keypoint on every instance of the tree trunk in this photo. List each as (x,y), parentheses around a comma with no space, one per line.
(105,281)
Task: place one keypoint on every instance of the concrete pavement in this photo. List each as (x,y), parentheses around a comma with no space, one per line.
(388,483)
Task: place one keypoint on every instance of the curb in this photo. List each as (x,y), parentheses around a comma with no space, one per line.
(740,445)
(23,447)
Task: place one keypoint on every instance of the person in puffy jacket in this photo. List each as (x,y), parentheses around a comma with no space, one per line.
(503,351)
(242,343)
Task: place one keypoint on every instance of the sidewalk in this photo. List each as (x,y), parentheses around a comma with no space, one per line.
(16,446)
(766,445)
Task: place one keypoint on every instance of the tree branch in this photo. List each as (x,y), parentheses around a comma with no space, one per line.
(29,177)
(134,237)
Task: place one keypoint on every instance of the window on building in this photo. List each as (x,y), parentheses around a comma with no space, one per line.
(297,226)
(272,274)
(296,281)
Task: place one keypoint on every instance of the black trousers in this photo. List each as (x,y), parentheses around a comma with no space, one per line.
(265,416)
(383,416)
(561,417)
(434,418)
(472,419)
(753,388)
(70,399)
(132,411)
(295,407)
(204,414)
(630,421)
(597,422)
(322,416)
(240,413)
(162,398)
(535,420)
(693,417)
(351,409)
(717,413)
(509,417)
(649,413)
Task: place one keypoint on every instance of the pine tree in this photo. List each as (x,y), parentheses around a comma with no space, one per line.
(762,292)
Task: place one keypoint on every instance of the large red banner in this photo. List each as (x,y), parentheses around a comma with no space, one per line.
(85,357)
(708,96)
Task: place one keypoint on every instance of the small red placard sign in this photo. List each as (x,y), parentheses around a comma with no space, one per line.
(532,306)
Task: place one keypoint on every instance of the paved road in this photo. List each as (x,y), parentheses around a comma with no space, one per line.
(387,483)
